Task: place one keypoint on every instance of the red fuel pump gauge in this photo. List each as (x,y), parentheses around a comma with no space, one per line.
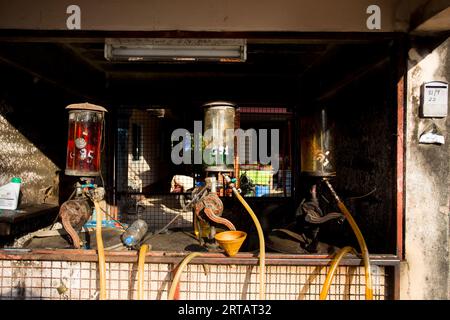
(84,140)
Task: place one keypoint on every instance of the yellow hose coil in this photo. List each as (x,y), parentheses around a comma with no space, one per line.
(262,245)
(141,263)
(100,252)
(364,250)
(333,267)
(177,276)
(361,242)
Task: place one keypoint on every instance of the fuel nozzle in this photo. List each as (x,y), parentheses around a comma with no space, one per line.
(336,197)
(230,181)
(227,178)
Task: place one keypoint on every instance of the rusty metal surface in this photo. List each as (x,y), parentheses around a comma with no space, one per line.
(212,206)
(176,257)
(400,164)
(74,214)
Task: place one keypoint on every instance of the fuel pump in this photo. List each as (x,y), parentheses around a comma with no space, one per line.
(218,158)
(317,162)
(86,122)
(317,166)
(85,133)
(218,140)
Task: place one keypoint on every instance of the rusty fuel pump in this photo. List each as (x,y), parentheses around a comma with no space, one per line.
(85,133)
(316,142)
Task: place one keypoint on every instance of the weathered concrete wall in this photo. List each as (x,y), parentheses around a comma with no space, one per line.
(19,157)
(425,273)
(199,15)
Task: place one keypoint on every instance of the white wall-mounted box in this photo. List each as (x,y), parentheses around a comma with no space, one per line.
(434,99)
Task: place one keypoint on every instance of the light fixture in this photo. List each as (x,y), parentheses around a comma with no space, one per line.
(170,49)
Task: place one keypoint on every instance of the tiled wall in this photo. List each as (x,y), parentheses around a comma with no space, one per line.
(78,280)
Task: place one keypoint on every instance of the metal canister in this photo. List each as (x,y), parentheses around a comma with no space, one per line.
(219,136)
(316,145)
(86,123)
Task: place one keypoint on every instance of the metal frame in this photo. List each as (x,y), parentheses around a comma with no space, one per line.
(245,258)
(175,257)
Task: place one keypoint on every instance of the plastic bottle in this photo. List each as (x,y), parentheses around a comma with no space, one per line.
(134,234)
(9,194)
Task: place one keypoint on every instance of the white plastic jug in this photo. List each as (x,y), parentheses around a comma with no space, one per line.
(9,194)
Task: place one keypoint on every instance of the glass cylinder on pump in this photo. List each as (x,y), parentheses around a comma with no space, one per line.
(316,145)
(84,140)
(218,136)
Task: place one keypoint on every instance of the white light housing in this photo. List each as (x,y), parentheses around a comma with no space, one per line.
(168,49)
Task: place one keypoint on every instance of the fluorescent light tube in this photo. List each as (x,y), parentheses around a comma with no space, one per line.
(225,50)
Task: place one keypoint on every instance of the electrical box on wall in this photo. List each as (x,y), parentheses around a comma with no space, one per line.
(434,99)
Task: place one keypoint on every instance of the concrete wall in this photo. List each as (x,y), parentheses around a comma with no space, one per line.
(202,15)
(425,273)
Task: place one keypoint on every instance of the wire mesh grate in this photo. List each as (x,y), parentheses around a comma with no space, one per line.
(234,282)
(143,175)
(79,281)
(146,176)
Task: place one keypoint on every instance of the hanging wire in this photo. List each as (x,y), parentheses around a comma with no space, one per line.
(363,196)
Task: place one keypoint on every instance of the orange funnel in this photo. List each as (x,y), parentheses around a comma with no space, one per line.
(231,241)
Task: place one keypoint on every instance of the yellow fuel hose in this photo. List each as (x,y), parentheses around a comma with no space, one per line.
(176,278)
(262,245)
(333,267)
(141,263)
(100,252)
(361,241)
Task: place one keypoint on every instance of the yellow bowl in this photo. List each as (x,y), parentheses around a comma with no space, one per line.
(231,241)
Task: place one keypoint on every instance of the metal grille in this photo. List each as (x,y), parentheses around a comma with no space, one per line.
(237,282)
(266,180)
(143,177)
(79,281)
(145,172)
(160,210)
